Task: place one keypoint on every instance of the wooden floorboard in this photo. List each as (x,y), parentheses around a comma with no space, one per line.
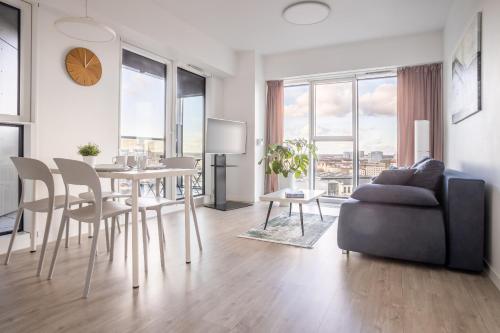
(242,285)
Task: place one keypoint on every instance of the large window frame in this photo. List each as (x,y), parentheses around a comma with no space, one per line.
(354,79)
(169,104)
(24,69)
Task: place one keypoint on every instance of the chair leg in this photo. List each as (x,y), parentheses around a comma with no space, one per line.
(58,244)
(144,239)
(66,239)
(20,211)
(118,225)
(195,220)
(89,230)
(80,228)
(147,233)
(126,235)
(112,245)
(106,230)
(44,243)
(160,239)
(93,253)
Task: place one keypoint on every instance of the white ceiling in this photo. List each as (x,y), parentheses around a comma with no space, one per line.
(258,25)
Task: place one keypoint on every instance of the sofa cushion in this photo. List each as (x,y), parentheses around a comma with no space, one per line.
(394,177)
(427,175)
(395,194)
(417,163)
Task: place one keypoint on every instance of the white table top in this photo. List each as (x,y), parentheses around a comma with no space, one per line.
(279,196)
(142,174)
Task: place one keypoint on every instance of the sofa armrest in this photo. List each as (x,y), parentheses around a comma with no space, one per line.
(396,195)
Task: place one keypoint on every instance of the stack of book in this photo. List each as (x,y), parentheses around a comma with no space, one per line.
(294,194)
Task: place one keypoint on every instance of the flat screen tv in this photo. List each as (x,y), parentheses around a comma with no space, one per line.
(226,136)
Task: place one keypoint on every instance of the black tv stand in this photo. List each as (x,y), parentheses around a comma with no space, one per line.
(220,186)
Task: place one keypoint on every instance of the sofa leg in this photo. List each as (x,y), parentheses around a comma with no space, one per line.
(345,252)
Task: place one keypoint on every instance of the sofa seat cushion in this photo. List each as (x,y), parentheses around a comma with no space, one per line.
(395,194)
(394,177)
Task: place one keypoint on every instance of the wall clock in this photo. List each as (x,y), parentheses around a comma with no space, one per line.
(83,66)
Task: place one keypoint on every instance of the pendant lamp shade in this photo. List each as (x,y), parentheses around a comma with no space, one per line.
(85,28)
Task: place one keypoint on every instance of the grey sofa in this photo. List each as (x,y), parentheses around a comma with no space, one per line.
(449,233)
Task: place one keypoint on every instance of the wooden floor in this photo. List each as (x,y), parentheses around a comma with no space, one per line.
(241,285)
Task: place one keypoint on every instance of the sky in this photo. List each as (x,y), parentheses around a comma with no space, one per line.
(377,114)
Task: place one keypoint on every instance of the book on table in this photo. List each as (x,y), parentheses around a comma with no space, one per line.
(294,194)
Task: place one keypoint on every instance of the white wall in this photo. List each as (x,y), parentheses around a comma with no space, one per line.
(473,144)
(147,24)
(243,101)
(377,53)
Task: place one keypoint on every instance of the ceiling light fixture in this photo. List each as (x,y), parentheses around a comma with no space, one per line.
(306,12)
(85,28)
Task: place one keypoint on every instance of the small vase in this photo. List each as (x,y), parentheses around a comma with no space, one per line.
(286,182)
(90,160)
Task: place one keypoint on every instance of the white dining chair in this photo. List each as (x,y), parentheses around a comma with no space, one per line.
(35,170)
(81,174)
(158,202)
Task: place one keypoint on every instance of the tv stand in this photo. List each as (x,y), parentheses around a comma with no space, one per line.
(220,202)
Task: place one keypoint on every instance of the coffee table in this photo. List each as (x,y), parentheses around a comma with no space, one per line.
(279,196)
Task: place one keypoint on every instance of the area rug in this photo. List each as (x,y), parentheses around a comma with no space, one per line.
(286,230)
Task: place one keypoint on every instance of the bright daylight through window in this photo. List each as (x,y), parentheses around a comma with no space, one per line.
(337,106)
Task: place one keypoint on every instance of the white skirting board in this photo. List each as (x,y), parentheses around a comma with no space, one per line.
(494,276)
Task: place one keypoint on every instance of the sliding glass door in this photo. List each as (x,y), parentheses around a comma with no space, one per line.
(143,106)
(353,123)
(190,126)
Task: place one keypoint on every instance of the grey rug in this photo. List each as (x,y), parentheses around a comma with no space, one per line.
(286,230)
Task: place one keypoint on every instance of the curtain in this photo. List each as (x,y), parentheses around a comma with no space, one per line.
(419,98)
(275,109)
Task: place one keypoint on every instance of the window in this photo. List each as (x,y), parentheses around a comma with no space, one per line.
(353,123)
(190,127)
(143,106)
(15,60)
(296,119)
(10,145)
(377,120)
(15,71)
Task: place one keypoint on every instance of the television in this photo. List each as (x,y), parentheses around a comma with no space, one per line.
(226,136)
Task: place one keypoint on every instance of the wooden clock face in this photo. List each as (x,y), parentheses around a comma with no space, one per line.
(83,66)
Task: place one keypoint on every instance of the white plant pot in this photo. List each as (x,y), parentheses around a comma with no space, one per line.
(90,160)
(288,182)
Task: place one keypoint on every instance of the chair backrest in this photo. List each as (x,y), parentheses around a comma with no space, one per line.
(32,169)
(80,173)
(179,162)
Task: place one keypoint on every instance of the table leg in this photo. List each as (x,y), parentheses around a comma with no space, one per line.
(319,208)
(268,213)
(301,219)
(187,224)
(135,235)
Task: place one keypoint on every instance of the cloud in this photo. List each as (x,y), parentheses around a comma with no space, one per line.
(379,102)
(333,102)
(300,108)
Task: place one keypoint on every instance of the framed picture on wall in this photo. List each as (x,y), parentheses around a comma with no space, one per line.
(466,73)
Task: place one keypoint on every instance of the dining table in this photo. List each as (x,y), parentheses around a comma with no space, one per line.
(135,176)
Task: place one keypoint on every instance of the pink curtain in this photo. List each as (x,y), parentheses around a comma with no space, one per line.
(419,98)
(275,109)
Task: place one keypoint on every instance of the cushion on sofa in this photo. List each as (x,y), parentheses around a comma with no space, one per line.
(427,175)
(417,163)
(395,194)
(394,177)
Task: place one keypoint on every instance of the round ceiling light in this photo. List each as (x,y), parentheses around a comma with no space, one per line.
(306,12)
(85,28)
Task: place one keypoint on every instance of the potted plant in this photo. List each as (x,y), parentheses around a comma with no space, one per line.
(289,160)
(89,153)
